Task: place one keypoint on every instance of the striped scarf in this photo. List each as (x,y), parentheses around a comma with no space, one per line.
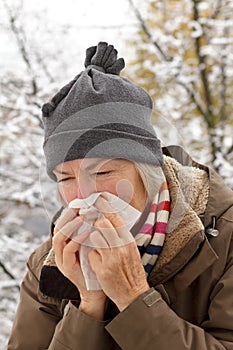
(151,237)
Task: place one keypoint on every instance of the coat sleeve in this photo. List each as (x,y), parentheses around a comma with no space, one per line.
(42,326)
(151,324)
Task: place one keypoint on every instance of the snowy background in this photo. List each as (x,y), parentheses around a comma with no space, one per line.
(43,46)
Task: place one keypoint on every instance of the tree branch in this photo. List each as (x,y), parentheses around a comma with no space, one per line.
(163,57)
(230,150)
(217,9)
(44,67)
(11,108)
(223,67)
(8,273)
(193,97)
(144,27)
(222,109)
(203,70)
(21,46)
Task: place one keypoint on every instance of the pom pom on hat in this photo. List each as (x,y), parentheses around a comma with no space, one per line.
(104,58)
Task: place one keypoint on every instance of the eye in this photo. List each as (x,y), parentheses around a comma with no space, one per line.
(65,179)
(101,173)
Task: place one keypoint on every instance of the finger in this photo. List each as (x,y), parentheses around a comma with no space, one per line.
(67,230)
(98,240)
(66,216)
(71,265)
(115,219)
(80,237)
(60,239)
(70,254)
(110,213)
(95,261)
(108,232)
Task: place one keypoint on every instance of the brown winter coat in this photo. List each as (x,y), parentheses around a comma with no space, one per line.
(189,305)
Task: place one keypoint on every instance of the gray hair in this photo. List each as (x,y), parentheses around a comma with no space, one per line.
(152,177)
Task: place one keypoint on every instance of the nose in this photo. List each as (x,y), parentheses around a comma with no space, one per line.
(85,187)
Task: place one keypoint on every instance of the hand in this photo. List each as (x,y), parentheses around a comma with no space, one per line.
(117,263)
(67,259)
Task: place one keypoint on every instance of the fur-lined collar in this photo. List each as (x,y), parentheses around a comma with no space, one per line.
(189,190)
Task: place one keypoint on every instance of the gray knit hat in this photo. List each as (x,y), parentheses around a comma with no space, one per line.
(100,115)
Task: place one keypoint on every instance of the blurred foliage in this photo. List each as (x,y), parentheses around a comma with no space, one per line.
(184,59)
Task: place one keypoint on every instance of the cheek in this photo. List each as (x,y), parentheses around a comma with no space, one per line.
(67,193)
(139,197)
(106,186)
(123,188)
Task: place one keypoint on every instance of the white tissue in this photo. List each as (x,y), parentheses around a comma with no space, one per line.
(129,214)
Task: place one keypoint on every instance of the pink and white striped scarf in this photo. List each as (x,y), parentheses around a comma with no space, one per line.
(150,239)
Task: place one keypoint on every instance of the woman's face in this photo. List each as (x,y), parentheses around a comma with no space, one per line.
(81,177)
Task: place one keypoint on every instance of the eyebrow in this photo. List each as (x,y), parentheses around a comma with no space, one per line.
(93,165)
(61,172)
(85,168)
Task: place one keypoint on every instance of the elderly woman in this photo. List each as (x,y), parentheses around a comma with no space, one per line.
(161,266)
